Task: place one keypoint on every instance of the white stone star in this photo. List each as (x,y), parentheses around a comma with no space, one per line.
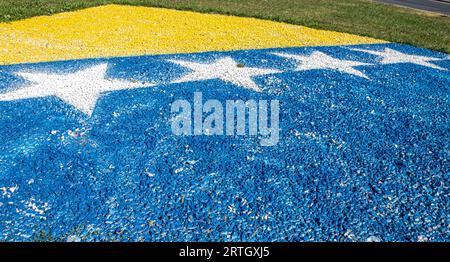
(81,89)
(319,60)
(225,69)
(391,56)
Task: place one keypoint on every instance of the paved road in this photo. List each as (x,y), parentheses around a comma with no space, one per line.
(438,6)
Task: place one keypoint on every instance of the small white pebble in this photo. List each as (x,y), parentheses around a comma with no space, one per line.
(73,238)
(422,239)
(373,239)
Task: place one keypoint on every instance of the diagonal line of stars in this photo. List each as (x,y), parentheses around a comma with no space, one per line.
(83,88)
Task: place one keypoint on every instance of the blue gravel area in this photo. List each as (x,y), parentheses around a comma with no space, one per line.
(358,159)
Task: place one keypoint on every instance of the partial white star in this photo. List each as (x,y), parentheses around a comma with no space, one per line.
(391,56)
(81,89)
(319,60)
(225,69)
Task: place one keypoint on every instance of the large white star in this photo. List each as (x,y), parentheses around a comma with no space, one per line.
(319,60)
(225,69)
(391,56)
(81,89)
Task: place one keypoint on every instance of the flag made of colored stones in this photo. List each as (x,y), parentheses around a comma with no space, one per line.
(87,151)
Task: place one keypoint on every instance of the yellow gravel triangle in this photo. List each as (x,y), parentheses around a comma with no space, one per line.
(117,30)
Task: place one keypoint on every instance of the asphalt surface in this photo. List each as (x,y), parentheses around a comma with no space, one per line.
(441,6)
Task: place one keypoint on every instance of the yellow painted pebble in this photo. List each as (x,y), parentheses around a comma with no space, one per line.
(117,30)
